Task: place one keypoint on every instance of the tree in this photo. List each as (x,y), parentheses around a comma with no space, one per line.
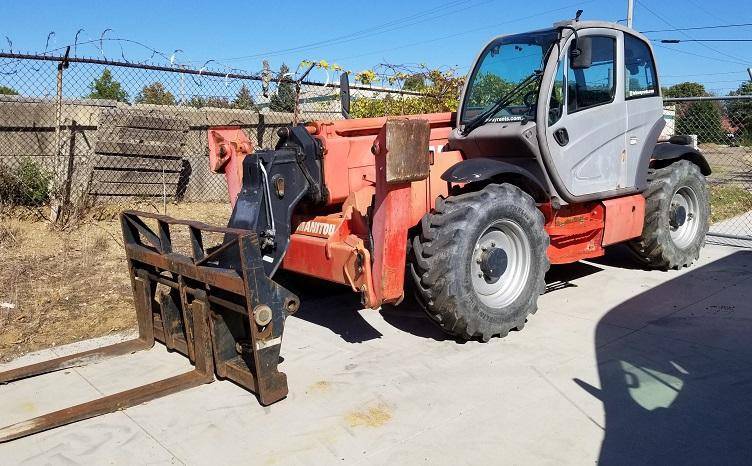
(488,88)
(244,99)
(155,93)
(197,101)
(284,99)
(104,87)
(703,118)
(8,90)
(218,102)
(686,89)
(740,112)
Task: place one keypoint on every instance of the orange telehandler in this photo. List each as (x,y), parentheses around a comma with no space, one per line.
(553,155)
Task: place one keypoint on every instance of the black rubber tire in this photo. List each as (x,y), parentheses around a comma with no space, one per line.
(441,253)
(655,249)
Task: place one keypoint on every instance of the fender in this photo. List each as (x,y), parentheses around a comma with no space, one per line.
(669,152)
(486,169)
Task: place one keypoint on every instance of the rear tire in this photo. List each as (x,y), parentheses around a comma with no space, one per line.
(677,213)
(479,261)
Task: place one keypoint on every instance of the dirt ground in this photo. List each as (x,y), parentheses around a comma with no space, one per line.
(729,163)
(57,287)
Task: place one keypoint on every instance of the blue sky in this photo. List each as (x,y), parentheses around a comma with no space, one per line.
(359,35)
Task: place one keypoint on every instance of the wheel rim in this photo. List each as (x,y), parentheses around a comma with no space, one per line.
(500,263)
(684,217)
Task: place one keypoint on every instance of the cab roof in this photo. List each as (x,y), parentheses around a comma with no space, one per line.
(599,24)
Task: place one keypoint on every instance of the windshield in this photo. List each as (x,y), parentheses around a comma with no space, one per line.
(504,64)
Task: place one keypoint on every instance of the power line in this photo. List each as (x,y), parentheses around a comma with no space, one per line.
(701,74)
(706,11)
(699,55)
(353,35)
(739,81)
(677,41)
(742,61)
(698,28)
(469,31)
(411,20)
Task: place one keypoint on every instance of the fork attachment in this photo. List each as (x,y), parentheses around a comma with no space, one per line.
(214,305)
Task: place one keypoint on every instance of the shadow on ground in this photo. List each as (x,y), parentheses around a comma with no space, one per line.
(329,305)
(335,306)
(678,390)
(618,256)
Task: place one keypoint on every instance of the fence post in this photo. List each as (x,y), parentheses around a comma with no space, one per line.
(298,83)
(58,182)
(297,104)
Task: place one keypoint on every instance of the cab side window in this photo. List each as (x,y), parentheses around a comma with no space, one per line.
(639,69)
(556,105)
(595,85)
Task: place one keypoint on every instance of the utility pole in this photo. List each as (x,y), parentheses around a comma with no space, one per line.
(749,71)
(630,12)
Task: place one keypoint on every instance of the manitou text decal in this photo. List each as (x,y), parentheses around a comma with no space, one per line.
(315,228)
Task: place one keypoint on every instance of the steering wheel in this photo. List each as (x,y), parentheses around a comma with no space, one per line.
(530,99)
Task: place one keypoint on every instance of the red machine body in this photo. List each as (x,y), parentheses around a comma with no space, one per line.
(359,239)
(228,146)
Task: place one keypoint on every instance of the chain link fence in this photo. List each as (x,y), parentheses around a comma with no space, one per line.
(722,130)
(77,130)
(74,131)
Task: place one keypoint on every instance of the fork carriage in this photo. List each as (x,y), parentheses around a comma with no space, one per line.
(217,307)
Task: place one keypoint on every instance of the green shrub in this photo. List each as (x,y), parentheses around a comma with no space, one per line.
(27,184)
(441,91)
(402,105)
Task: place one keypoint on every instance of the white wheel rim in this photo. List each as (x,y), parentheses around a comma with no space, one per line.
(508,236)
(684,232)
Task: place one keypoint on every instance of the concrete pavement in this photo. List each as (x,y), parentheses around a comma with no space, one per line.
(619,366)
(739,226)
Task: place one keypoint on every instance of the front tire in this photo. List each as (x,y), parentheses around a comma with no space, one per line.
(677,217)
(480,260)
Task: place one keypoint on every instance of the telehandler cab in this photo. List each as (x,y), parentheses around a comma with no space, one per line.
(553,155)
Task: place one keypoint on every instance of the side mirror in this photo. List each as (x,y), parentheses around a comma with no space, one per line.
(344,94)
(581,53)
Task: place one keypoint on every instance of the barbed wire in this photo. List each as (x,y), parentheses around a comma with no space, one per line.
(157,57)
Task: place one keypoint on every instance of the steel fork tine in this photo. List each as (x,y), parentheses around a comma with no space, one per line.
(73,360)
(144,341)
(203,373)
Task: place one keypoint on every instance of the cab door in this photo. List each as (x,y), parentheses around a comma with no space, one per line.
(644,106)
(587,137)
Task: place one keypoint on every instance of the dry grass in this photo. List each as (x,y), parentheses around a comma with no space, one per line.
(9,234)
(57,287)
(728,200)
